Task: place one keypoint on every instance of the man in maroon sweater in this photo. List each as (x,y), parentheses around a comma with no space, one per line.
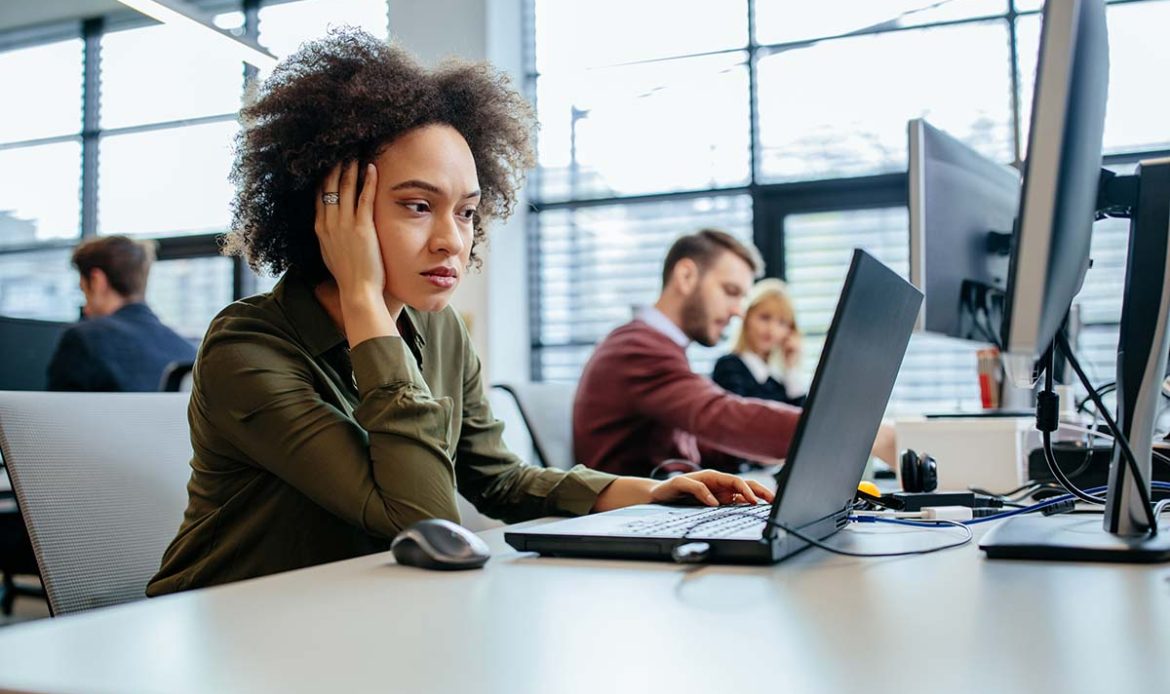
(639,403)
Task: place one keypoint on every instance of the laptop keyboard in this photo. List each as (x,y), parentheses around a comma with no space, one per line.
(720,521)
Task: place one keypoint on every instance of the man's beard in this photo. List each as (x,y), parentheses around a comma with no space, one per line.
(695,320)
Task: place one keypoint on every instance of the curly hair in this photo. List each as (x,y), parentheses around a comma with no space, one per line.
(349,96)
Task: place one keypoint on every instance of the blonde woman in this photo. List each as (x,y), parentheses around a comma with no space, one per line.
(765,355)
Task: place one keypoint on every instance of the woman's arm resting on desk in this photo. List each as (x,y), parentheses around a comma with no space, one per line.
(708,487)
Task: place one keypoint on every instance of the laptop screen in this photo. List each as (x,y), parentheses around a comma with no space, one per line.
(849,392)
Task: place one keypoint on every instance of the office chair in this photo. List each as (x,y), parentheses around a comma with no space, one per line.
(28,347)
(101,482)
(176,377)
(547,409)
(517,436)
(16,554)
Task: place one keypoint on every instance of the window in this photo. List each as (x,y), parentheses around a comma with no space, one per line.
(597,265)
(166,182)
(52,72)
(186,294)
(783,21)
(157,150)
(839,108)
(641,129)
(937,373)
(40,144)
(1135,115)
(40,193)
(691,115)
(183,78)
(39,284)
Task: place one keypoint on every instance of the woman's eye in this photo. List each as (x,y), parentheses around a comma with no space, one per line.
(417,207)
(468,214)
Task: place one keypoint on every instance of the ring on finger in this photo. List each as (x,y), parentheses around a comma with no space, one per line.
(331,198)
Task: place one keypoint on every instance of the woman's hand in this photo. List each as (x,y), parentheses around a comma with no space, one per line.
(709,487)
(790,348)
(349,247)
(345,230)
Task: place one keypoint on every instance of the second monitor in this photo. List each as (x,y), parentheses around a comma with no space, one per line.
(962,211)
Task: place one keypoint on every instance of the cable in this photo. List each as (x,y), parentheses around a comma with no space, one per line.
(843,552)
(1049,362)
(1143,493)
(1162,458)
(1054,468)
(1102,390)
(694,467)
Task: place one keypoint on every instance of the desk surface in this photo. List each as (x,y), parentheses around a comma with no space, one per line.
(947,622)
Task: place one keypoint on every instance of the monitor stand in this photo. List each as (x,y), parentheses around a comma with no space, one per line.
(1073,537)
(1124,533)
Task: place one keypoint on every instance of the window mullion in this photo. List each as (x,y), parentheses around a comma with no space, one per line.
(91,32)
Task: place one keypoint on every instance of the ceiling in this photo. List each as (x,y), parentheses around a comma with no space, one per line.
(15,14)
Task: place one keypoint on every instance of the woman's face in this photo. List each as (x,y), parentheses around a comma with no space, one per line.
(427,194)
(765,327)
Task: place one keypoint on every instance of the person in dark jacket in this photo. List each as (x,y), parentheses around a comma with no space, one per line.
(121,345)
(765,355)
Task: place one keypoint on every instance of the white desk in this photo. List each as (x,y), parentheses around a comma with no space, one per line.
(947,622)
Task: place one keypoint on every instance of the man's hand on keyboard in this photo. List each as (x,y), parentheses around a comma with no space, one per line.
(710,487)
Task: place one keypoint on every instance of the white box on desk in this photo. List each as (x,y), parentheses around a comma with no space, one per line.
(986,452)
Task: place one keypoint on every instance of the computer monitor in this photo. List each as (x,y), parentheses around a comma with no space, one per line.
(1062,192)
(28,347)
(962,211)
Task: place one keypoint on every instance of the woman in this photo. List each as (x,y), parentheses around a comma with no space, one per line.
(348,403)
(766,350)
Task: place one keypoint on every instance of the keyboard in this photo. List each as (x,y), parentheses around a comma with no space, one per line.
(720,521)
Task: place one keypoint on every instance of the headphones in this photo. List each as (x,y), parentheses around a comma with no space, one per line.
(919,473)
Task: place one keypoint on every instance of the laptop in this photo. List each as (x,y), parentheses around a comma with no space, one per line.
(826,458)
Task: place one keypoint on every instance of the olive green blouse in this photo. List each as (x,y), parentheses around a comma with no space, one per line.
(307,452)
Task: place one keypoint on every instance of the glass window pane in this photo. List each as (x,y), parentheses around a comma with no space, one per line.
(166,72)
(839,108)
(166,182)
(39,284)
(187,294)
(53,73)
(938,374)
(1135,116)
(597,264)
(567,32)
(782,21)
(671,125)
(285,26)
(40,193)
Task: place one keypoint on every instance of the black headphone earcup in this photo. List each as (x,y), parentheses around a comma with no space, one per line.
(909,470)
(928,473)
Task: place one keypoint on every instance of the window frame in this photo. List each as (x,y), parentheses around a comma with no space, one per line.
(772,202)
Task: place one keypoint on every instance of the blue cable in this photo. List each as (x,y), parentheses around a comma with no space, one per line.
(1162,486)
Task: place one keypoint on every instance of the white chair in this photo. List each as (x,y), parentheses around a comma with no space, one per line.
(547,409)
(101,479)
(517,437)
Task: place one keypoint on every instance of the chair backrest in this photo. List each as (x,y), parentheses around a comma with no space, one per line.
(517,437)
(547,409)
(101,482)
(28,347)
(177,377)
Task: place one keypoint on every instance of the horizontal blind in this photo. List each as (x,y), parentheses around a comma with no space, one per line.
(937,373)
(594,266)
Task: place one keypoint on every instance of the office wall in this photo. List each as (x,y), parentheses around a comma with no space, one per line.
(495,298)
